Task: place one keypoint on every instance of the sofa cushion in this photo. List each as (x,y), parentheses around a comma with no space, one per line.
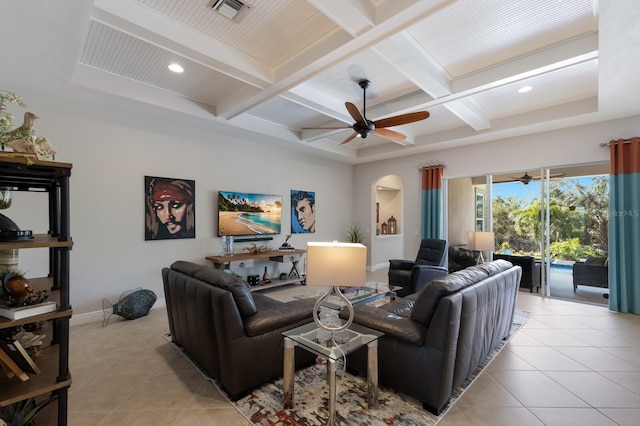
(185,267)
(428,298)
(495,267)
(275,315)
(238,287)
(394,326)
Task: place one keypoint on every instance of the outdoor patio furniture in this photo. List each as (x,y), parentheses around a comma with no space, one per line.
(530,269)
(593,272)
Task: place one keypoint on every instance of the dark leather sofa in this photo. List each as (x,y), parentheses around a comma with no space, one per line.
(460,258)
(530,269)
(412,275)
(235,335)
(436,338)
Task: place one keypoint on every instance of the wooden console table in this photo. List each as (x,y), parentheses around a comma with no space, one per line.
(241,261)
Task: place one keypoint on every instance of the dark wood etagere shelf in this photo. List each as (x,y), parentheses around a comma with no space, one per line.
(51,178)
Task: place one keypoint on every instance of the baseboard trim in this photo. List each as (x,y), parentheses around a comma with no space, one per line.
(374,268)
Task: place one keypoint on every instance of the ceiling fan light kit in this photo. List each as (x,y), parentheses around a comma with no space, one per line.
(363,127)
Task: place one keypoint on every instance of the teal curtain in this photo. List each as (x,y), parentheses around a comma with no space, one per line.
(432,202)
(624,226)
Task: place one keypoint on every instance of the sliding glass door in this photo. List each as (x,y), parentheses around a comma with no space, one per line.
(551,219)
(559,218)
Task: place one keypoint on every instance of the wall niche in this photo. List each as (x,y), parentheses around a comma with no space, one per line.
(389,205)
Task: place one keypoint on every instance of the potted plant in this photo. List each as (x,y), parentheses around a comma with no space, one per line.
(506,248)
(355,233)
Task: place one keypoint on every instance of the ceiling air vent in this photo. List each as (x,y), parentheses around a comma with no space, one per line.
(230,9)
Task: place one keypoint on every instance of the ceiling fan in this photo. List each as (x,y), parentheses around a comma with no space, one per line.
(363,127)
(526,178)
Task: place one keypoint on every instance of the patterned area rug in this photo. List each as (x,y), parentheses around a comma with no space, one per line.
(264,406)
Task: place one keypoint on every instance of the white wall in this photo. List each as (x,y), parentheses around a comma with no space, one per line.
(112,150)
(462,210)
(576,145)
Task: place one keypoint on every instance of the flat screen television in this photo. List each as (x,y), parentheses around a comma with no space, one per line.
(241,214)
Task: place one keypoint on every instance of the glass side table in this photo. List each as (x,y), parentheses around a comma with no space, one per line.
(317,341)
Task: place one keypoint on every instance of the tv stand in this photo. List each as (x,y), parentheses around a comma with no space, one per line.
(240,261)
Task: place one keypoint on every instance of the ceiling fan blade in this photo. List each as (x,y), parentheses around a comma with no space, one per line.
(353,135)
(354,112)
(389,134)
(402,119)
(327,128)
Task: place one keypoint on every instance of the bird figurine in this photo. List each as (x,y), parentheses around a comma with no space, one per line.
(23,132)
(23,139)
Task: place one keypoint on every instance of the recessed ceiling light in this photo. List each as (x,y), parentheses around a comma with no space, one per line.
(176,68)
(525,89)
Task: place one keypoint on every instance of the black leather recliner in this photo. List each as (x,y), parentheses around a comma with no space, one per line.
(430,263)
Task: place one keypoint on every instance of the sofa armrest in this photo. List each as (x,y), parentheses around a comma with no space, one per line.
(405,265)
(279,316)
(391,325)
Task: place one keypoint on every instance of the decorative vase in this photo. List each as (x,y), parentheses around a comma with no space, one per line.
(265,277)
(227,246)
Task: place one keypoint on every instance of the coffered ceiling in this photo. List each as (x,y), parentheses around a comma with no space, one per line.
(283,65)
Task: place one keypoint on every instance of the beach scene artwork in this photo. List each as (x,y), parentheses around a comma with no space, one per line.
(241,213)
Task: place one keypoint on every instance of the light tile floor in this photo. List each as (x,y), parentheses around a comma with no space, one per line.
(571,364)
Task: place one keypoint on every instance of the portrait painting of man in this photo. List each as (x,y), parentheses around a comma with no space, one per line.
(303,212)
(170,208)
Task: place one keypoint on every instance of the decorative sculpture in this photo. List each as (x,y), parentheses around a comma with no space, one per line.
(253,249)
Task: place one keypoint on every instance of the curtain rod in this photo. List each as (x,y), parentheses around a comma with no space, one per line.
(624,141)
(429,164)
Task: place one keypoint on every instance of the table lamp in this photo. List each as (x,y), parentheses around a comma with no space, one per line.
(335,264)
(480,241)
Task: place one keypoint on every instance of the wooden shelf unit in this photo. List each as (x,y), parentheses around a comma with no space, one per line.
(51,178)
(293,256)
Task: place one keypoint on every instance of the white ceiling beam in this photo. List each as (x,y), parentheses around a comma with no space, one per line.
(403,52)
(470,112)
(523,68)
(237,103)
(542,61)
(353,16)
(319,58)
(317,100)
(139,21)
(127,88)
(313,135)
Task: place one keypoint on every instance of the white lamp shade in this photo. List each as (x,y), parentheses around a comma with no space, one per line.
(336,264)
(481,241)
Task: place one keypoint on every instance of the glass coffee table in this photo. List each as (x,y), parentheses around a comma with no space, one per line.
(368,293)
(315,340)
